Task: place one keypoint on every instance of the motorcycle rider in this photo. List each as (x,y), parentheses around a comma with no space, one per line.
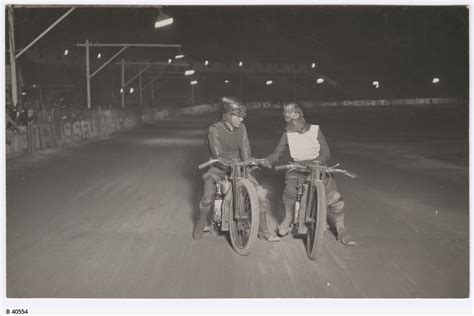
(228,141)
(306,143)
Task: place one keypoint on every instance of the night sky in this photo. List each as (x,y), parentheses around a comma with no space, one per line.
(345,41)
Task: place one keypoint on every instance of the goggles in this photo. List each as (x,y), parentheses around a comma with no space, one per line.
(240,113)
(291,116)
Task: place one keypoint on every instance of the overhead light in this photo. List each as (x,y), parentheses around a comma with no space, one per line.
(66,51)
(435,80)
(189,72)
(99,55)
(313,65)
(206,63)
(269,82)
(226,81)
(131,90)
(376,84)
(179,56)
(194,82)
(170,61)
(163,20)
(319,80)
(241,64)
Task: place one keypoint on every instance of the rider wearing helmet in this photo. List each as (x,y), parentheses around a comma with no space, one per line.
(306,143)
(228,141)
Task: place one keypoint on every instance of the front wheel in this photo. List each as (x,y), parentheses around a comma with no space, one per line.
(244,217)
(316,221)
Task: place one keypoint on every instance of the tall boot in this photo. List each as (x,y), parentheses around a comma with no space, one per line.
(284,226)
(203,214)
(263,232)
(343,235)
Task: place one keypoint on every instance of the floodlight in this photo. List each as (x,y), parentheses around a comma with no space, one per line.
(206,63)
(313,65)
(189,72)
(269,82)
(226,81)
(241,64)
(66,51)
(163,20)
(319,80)
(170,61)
(194,82)
(435,80)
(376,84)
(99,55)
(131,90)
(179,56)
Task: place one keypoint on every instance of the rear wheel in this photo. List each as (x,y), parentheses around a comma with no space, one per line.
(317,221)
(245,218)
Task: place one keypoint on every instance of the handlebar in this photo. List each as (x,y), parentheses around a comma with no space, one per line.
(248,162)
(333,169)
(208,163)
(283,167)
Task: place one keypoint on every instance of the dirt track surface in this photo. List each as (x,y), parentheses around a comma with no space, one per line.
(114,218)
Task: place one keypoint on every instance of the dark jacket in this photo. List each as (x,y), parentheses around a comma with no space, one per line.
(226,143)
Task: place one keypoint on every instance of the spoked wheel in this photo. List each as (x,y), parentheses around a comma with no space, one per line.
(317,221)
(245,218)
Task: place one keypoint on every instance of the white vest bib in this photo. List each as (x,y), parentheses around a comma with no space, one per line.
(304,146)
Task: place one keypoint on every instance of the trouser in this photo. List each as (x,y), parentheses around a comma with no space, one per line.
(210,178)
(334,200)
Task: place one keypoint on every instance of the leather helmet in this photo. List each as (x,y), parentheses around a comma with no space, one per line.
(233,106)
(290,110)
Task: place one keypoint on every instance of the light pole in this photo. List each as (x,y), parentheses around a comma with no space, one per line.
(240,86)
(122,97)
(88,81)
(294,85)
(13,56)
(11,47)
(194,82)
(140,89)
(41,97)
